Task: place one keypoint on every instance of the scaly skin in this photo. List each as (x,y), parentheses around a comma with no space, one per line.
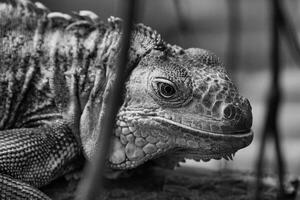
(56,72)
(206,118)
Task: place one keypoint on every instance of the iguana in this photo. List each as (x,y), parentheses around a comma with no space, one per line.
(55,71)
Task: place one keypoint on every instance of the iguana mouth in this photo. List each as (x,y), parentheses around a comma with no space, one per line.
(238,138)
(224,134)
(137,141)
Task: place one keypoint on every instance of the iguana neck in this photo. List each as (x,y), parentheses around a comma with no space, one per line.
(39,60)
(84,54)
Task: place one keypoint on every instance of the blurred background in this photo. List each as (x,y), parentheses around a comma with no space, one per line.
(238,31)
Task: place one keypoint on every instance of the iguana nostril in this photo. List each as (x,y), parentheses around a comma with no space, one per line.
(229,112)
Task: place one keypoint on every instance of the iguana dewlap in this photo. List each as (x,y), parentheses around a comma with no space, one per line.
(55,73)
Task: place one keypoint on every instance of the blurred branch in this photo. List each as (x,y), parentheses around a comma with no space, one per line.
(182,22)
(270,130)
(275,97)
(92,185)
(234,27)
(289,31)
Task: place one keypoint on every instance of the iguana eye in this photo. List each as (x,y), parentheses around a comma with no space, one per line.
(169,93)
(166,90)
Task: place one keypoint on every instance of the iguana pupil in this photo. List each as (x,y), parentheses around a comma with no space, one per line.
(166,90)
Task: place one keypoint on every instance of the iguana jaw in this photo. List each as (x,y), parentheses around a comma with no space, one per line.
(211,145)
(141,139)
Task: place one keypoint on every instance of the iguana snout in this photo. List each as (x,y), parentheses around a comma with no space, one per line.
(180,102)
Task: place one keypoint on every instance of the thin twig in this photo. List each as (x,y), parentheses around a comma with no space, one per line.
(182,22)
(288,30)
(276,94)
(271,122)
(234,26)
(92,185)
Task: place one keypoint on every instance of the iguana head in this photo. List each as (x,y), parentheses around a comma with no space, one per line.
(181,102)
(175,101)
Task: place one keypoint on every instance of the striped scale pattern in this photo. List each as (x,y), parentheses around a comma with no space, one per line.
(34,157)
(37,155)
(13,189)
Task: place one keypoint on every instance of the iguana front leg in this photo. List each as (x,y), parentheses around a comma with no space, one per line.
(34,156)
(14,189)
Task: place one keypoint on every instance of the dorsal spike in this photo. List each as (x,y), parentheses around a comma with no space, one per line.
(86,14)
(58,19)
(41,6)
(76,16)
(59,15)
(115,22)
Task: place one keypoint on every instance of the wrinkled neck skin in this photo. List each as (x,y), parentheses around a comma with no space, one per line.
(91,57)
(50,50)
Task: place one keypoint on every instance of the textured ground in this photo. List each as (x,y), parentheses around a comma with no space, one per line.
(176,185)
